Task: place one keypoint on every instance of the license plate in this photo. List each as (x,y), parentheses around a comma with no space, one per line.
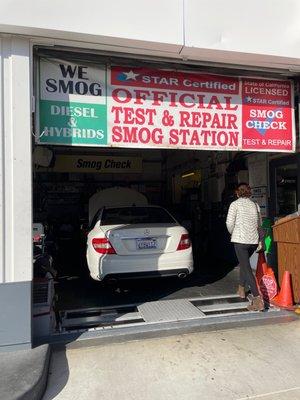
(143,244)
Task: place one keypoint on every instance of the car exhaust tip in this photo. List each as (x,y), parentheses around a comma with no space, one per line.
(182,275)
(112,281)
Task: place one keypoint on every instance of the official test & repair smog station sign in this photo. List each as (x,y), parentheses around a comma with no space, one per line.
(96,105)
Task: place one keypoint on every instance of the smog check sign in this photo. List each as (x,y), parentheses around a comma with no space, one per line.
(268,119)
(101,164)
(97,105)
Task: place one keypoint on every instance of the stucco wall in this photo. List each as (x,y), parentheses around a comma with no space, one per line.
(15,165)
(265,33)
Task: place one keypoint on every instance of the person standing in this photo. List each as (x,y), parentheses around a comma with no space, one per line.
(242,222)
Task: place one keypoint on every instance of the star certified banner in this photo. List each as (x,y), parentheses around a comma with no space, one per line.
(96,105)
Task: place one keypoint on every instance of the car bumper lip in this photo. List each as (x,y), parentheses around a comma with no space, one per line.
(146,274)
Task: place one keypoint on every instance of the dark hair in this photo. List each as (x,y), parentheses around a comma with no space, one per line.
(243,190)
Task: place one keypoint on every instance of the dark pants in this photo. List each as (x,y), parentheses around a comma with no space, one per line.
(247,279)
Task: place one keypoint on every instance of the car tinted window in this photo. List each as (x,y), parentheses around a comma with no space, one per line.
(95,219)
(136,215)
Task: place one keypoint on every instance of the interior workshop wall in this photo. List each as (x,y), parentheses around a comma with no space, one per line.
(258,180)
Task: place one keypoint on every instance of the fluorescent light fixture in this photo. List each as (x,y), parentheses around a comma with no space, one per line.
(189,174)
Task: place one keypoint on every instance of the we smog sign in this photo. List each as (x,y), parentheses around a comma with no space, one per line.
(73,104)
(82,104)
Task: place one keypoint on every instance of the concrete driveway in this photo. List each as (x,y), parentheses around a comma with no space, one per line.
(259,362)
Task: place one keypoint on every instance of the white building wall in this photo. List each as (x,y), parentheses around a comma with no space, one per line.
(145,25)
(15,166)
(261,33)
(254,32)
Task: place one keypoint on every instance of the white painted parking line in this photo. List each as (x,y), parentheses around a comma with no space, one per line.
(261,396)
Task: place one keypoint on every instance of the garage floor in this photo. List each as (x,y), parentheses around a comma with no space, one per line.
(89,309)
(81,291)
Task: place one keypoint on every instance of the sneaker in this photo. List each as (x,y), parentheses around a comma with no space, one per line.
(257,304)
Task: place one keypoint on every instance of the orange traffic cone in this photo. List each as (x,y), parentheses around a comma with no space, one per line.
(259,267)
(285,297)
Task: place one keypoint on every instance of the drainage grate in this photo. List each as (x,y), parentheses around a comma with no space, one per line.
(82,319)
(228,300)
(223,312)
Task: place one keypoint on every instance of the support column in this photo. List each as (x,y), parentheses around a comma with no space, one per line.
(15,193)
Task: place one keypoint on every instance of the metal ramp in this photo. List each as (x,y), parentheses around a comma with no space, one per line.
(155,312)
(169,310)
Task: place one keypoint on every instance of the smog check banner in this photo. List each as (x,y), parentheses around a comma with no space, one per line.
(150,108)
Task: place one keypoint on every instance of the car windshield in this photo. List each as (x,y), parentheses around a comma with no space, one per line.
(136,215)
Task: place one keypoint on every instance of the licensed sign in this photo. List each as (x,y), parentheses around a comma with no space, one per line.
(101,164)
(154,108)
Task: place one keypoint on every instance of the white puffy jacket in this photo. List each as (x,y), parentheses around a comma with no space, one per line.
(242,221)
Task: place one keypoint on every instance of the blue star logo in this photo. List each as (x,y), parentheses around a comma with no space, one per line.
(127,76)
(121,77)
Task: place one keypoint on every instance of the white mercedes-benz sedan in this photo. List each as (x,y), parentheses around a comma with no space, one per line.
(137,241)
